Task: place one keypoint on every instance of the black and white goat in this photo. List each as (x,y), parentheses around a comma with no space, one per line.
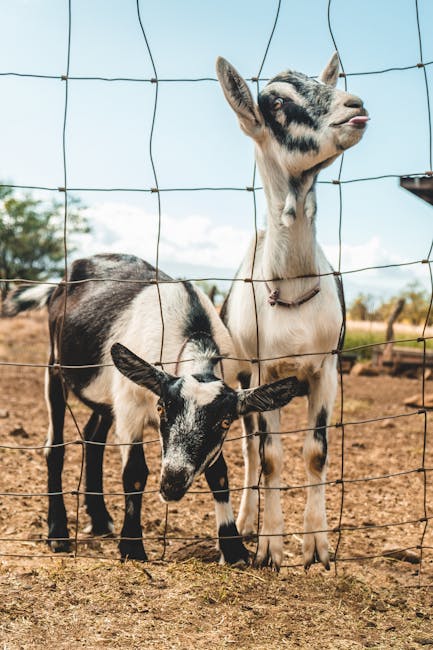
(113,298)
(299,126)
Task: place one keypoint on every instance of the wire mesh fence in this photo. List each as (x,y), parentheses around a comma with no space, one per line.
(166,532)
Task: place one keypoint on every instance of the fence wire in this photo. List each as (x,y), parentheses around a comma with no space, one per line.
(418,468)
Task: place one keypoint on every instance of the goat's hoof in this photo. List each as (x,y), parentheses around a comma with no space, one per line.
(239,564)
(132,550)
(59,545)
(235,554)
(246,526)
(267,563)
(230,543)
(269,553)
(316,551)
(100,528)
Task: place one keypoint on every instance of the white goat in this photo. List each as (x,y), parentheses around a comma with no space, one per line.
(299,126)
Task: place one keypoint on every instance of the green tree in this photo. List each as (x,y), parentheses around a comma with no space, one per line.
(32,236)
(416,304)
(213,291)
(362,307)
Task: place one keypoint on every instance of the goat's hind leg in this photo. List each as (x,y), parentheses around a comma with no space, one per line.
(95,435)
(129,433)
(55,395)
(230,542)
(270,547)
(321,402)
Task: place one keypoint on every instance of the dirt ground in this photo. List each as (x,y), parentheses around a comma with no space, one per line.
(186,600)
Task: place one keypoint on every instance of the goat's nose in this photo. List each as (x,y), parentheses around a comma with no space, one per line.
(176,479)
(173,484)
(354,102)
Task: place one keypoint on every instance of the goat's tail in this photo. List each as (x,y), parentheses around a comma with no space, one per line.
(25,298)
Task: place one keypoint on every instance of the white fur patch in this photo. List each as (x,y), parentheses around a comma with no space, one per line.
(176,460)
(224,514)
(201,392)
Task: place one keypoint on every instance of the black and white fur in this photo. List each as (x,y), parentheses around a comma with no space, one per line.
(299,126)
(112,298)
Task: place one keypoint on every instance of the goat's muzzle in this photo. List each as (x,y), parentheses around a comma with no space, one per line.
(174,484)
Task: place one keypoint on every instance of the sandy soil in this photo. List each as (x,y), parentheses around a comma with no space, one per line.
(186,600)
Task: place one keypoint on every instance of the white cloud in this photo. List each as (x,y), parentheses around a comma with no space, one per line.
(357,256)
(381,282)
(192,239)
(195,242)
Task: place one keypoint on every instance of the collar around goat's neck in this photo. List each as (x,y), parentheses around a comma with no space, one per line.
(274,296)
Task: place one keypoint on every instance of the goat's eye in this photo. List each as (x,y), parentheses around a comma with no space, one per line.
(225,424)
(278,103)
(160,409)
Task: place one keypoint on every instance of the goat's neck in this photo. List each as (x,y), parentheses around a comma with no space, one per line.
(290,239)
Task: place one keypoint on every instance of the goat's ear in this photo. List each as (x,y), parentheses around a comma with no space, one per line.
(270,396)
(329,74)
(138,370)
(239,97)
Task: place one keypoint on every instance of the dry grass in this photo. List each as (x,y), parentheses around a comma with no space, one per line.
(85,604)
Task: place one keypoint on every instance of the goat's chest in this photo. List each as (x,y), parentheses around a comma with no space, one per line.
(291,340)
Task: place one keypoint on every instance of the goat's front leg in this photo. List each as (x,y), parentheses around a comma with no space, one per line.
(321,400)
(129,429)
(270,547)
(230,542)
(95,435)
(135,473)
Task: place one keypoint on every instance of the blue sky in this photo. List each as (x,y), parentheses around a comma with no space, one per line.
(197,141)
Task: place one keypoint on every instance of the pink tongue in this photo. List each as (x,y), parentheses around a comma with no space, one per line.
(359,119)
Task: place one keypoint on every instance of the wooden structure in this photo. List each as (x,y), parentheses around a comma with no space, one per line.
(421,186)
(403,360)
(347,360)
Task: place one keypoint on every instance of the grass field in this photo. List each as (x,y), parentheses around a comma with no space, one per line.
(357,337)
